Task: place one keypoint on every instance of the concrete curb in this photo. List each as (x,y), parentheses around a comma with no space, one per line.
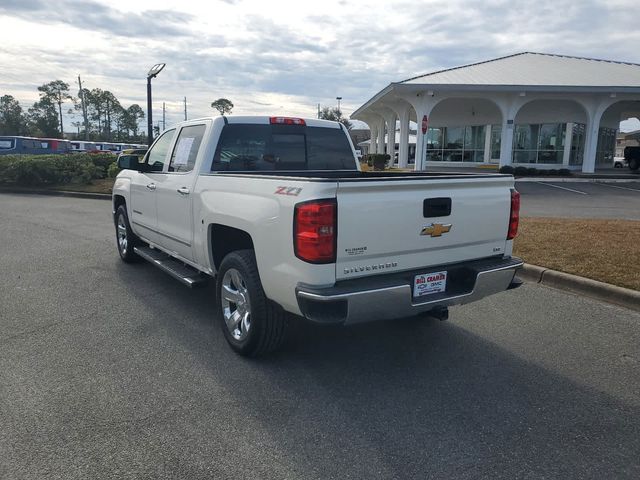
(57,193)
(606,292)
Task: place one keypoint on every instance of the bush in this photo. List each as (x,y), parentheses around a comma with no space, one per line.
(521,171)
(39,170)
(113,170)
(507,169)
(379,160)
(552,172)
(102,161)
(565,172)
(532,171)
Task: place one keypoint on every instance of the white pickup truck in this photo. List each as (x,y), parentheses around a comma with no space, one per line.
(278,211)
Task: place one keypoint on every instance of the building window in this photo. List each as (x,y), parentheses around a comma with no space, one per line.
(577,144)
(606,146)
(456,144)
(551,142)
(539,143)
(496,139)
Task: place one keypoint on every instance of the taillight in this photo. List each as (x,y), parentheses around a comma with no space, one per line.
(514,216)
(314,231)
(286,121)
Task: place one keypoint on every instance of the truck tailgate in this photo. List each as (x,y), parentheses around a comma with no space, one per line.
(400,224)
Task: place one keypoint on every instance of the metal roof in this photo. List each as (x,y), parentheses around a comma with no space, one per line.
(536,69)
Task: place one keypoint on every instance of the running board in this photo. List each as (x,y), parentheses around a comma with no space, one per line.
(186,275)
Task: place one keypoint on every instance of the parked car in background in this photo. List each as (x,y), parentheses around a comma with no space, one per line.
(10,145)
(632,156)
(619,162)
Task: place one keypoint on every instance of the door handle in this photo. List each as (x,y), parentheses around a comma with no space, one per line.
(183,191)
(151,186)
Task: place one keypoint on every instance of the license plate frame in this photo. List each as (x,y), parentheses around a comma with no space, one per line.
(431,283)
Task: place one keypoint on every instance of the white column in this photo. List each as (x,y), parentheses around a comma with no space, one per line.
(487,144)
(381,135)
(568,137)
(506,142)
(373,129)
(421,154)
(390,120)
(403,147)
(591,143)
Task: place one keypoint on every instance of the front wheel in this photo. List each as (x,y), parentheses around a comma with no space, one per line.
(251,324)
(126,240)
(634,164)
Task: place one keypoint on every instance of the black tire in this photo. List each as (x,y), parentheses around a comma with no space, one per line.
(125,249)
(634,164)
(267,322)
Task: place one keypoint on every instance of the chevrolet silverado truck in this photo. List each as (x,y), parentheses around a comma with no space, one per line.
(277,210)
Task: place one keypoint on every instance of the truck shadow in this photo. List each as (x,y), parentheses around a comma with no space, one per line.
(403,399)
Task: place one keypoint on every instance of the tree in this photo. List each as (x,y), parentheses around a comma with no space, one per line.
(43,118)
(132,116)
(335,115)
(95,107)
(222,105)
(111,106)
(56,92)
(12,118)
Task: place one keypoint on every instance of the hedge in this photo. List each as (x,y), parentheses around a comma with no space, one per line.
(37,170)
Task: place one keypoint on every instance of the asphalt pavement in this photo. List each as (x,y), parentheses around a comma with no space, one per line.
(615,200)
(110,370)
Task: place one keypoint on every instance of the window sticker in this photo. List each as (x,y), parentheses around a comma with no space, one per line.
(182,150)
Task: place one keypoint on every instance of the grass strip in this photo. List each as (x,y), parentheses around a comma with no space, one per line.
(603,250)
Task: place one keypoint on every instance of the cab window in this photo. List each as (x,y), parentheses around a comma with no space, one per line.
(157,156)
(186,149)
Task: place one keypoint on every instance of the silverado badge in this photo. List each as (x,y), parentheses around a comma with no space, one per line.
(436,229)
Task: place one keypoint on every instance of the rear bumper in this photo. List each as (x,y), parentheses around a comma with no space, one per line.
(390,296)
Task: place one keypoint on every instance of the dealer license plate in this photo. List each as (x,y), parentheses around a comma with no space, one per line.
(429,283)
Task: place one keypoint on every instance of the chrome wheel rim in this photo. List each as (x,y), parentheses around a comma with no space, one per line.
(236,307)
(121,228)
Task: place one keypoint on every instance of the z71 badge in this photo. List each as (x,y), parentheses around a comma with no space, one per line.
(291,191)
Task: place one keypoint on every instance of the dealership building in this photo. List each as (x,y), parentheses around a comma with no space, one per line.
(529,109)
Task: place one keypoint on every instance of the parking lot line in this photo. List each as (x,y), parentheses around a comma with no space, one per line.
(615,186)
(563,188)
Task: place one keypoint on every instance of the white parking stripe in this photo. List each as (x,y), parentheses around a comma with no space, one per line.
(615,186)
(563,188)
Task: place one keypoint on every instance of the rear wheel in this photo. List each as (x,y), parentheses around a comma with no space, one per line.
(126,240)
(252,325)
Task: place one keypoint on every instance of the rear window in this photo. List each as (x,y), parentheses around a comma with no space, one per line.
(246,147)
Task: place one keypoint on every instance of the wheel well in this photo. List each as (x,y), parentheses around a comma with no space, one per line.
(117,201)
(225,240)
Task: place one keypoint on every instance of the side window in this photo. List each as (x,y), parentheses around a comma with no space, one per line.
(158,153)
(185,152)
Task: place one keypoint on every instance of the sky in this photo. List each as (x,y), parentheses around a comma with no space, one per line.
(286,57)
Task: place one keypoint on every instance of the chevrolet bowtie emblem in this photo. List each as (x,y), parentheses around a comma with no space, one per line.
(435,229)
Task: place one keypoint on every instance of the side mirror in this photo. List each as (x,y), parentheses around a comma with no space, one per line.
(128,162)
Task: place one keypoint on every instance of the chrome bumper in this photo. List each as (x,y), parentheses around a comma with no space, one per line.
(360,301)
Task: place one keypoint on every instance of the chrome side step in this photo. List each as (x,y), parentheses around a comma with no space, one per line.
(186,275)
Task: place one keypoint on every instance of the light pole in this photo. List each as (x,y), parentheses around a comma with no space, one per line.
(153,73)
(338,98)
